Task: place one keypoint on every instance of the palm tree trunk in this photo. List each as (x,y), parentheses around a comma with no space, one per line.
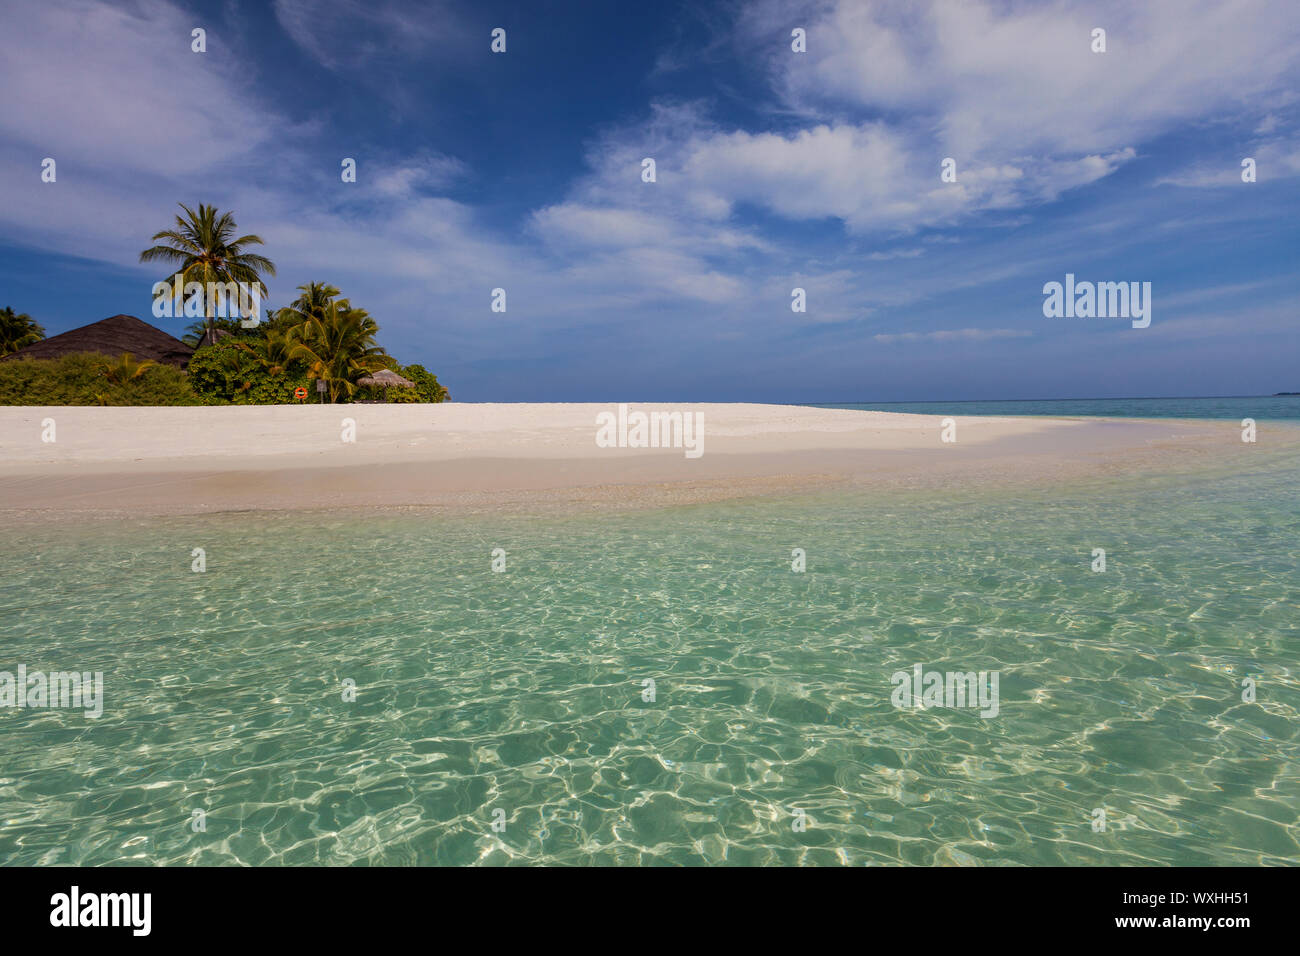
(209,310)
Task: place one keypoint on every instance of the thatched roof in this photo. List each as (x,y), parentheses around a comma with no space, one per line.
(112,336)
(386,378)
(212,337)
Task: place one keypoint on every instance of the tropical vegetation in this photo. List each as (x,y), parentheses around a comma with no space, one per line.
(202,248)
(90,379)
(319,337)
(335,341)
(17,331)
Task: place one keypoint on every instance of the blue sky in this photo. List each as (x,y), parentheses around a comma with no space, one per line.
(775,170)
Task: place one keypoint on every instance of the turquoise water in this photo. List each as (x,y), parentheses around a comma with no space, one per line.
(522,691)
(1260,408)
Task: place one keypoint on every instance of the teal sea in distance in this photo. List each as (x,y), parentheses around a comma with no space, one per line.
(1260,408)
(522,691)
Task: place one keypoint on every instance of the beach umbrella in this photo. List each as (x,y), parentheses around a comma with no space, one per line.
(386,378)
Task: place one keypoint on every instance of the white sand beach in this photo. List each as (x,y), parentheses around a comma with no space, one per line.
(183,460)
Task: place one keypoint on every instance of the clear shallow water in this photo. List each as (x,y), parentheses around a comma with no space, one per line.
(1260,408)
(522,690)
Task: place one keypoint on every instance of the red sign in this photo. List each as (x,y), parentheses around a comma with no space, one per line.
(300,393)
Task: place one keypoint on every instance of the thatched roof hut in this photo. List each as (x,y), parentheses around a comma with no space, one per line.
(111,336)
(386,378)
(212,337)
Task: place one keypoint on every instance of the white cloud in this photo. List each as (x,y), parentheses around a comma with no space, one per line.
(347,34)
(996,76)
(103,89)
(1276,159)
(1011,91)
(574,224)
(408,177)
(912,253)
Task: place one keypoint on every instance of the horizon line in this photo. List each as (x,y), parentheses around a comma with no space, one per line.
(1117,398)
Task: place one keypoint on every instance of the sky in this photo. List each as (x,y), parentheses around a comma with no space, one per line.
(774,170)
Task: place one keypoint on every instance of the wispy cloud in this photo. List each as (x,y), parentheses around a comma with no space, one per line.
(113,91)
(1276,159)
(403,178)
(349,34)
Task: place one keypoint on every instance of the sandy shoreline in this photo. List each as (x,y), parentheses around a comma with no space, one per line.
(137,461)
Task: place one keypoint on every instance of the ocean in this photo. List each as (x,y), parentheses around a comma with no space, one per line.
(1260,408)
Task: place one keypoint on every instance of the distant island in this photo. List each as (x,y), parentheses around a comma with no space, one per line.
(1277,394)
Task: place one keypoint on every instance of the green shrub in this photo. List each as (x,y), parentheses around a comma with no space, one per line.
(81,380)
(427,388)
(426,384)
(221,374)
(225,374)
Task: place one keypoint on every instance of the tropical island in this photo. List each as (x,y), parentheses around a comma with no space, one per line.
(318,348)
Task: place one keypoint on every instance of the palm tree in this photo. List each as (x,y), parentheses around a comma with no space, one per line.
(202,249)
(197,333)
(314,298)
(273,351)
(125,368)
(338,347)
(17,331)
